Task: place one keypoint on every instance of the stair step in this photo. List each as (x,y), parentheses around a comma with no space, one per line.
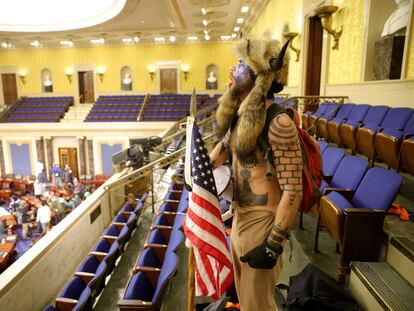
(400,256)
(389,289)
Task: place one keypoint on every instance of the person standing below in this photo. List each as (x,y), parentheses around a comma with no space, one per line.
(43,180)
(23,218)
(67,175)
(268,192)
(57,176)
(38,188)
(44,216)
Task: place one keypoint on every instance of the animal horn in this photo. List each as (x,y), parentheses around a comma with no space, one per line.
(277,62)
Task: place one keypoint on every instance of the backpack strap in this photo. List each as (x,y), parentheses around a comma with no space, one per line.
(279,297)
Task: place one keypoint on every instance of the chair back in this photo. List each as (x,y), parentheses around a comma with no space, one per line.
(397,118)
(349,173)
(378,189)
(331,159)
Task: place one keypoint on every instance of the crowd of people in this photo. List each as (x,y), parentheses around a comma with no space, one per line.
(50,203)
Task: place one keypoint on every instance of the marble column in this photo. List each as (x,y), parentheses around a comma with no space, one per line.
(2,165)
(90,157)
(40,151)
(49,155)
(82,155)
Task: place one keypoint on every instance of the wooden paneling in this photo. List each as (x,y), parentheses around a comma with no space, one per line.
(69,156)
(9,88)
(168,81)
(86,87)
(314,57)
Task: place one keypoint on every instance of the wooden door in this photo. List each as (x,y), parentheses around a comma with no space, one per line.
(168,81)
(9,88)
(86,87)
(314,59)
(69,156)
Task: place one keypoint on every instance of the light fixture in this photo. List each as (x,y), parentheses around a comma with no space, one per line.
(66,43)
(98,41)
(225,37)
(244,9)
(151,70)
(192,38)
(101,71)
(325,14)
(127,40)
(35,43)
(233,35)
(240,20)
(172,38)
(69,73)
(136,39)
(185,68)
(236,29)
(159,39)
(203,11)
(205,31)
(6,45)
(207,37)
(22,75)
(205,22)
(290,36)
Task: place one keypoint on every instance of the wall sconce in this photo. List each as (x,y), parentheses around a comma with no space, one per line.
(22,76)
(185,68)
(325,13)
(101,71)
(151,70)
(69,73)
(290,36)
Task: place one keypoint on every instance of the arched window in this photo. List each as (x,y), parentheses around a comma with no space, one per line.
(47,82)
(212,77)
(126,78)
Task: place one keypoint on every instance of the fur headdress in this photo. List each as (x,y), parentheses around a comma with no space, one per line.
(270,64)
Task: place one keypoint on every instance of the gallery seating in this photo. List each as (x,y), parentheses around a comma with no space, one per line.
(146,288)
(353,121)
(322,122)
(75,296)
(38,109)
(388,142)
(93,272)
(115,109)
(396,118)
(372,119)
(331,158)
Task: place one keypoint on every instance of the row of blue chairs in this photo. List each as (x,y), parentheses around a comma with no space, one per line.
(378,132)
(43,98)
(89,280)
(157,263)
(350,183)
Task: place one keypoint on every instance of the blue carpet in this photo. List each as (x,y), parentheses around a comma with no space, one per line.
(21,246)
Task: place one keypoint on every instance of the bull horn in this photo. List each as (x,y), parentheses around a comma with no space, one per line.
(277,62)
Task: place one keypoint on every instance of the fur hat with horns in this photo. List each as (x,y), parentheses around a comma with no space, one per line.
(270,65)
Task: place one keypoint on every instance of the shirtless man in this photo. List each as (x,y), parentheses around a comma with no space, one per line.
(265,207)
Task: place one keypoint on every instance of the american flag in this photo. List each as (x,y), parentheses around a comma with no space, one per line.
(203,225)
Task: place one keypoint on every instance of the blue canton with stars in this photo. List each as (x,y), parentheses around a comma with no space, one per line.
(201,171)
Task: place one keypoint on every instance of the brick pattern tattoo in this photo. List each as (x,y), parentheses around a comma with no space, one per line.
(287,155)
(277,235)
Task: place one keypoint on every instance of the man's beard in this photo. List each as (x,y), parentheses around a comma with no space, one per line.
(238,90)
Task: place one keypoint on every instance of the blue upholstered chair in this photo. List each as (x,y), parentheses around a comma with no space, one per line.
(117,233)
(146,288)
(329,112)
(322,145)
(93,271)
(74,296)
(396,118)
(341,115)
(407,155)
(376,191)
(306,115)
(331,159)
(388,142)
(107,252)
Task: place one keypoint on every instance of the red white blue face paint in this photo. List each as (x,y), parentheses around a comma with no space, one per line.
(241,72)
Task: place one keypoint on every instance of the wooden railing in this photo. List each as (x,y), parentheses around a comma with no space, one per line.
(144,105)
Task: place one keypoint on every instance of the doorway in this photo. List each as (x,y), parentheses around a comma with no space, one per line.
(313,61)
(86,87)
(9,88)
(69,156)
(168,81)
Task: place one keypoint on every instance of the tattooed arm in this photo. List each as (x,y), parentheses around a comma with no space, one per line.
(285,145)
(220,152)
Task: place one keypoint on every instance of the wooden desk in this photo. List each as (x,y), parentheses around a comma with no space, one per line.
(7,245)
(10,220)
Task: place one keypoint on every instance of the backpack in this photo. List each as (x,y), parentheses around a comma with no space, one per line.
(311,156)
(313,290)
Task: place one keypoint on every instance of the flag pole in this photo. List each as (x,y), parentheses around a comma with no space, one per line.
(191,280)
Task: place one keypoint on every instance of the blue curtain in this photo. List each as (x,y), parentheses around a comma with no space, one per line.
(20,156)
(106,155)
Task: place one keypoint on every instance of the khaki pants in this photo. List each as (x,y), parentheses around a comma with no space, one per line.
(255,287)
(25,228)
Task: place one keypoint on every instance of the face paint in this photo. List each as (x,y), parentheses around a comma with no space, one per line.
(241,72)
